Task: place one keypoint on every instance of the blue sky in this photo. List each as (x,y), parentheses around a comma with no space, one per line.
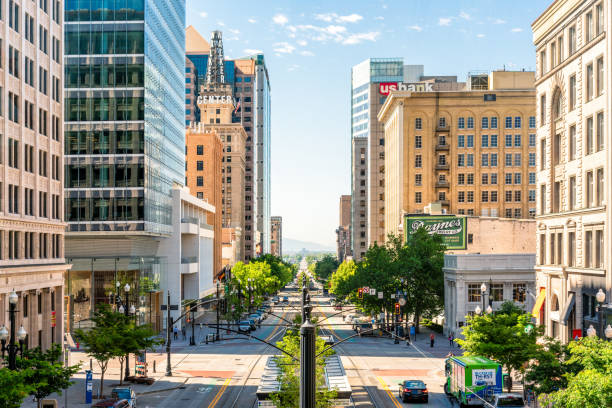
(310,47)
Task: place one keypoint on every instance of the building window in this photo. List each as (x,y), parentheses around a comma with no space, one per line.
(418,123)
(517,122)
(485,160)
(542,154)
(442,196)
(460,178)
(461,160)
(493,140)
(508,196)
(589,135)
(532,159)
(556,149)
(532,122)
(200,181)
(473,292)
(517,178)
(599,249)
(542,110)
(572,92)
(572,193)
(484,196)
(572,143)
(484,141)
(588,248)
(460,141)
(470,196)
(417,197)
(532,177)
(599,19)
(600,131)
(519,292)
(493,159)
(470,179)
(508,122)
(589,82)
(493,122)
(517,140)
(508,178)
(200,165)
(493,178)
(484,123)
(442,123)
(200,150)
(485,179)
(418,179)
(542,198)
(461,123)
(556,196)
(508,140)
(418,161)
(497,292)
(572,40)
(470,123)
(532,196)
(542,62)
(470,141)
(418,142)
(588,26)
(517,196)
(470,160)
(493,197)
(600,187)
(508,161)
(571,248)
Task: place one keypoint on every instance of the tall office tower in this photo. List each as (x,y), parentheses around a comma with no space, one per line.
(573,135)
(343,232)
(359,207)
(276,232)
(248,77)
(125,142)
(32,252)
(471,152)
(371,82)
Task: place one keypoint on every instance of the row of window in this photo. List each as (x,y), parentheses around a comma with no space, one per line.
(592,246)
(104,75)
(486,122)
(14,151)
(125,108)
(104,175)
(593,192)
(593,26)
(105,209)
(105,42)
(109,10)
(104,141)
(496,292)
(35,245)
(14,195)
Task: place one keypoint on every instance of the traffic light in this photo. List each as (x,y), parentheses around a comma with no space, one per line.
(360,293)
(397,308)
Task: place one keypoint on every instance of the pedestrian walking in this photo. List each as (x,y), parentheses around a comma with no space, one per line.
(175,330)
(431,340)
(451,337)
(184,333)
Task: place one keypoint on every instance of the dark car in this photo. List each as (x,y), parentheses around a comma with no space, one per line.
(285,299)
(413,390)
(252,323)
(244,326)
(112,403)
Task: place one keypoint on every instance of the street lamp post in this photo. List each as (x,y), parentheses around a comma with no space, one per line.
(483,292)
(127,309)
(12,347)
(601,298)
(192,340)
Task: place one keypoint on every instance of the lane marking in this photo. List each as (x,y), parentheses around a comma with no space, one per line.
(276,328)
(219,393)
(388,391)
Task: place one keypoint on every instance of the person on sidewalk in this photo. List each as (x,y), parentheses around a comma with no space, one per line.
(432,338)
(450,339)
(175,330)
(184,333)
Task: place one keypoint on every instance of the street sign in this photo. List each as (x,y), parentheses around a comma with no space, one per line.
(402,302)
(366,289)
(380,295)
(172,307)
(393,296)
(372,291)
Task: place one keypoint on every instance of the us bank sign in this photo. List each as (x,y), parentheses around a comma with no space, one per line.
(385,88)
(452,229)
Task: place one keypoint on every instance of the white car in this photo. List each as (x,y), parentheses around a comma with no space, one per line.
(348,318)
(507,400)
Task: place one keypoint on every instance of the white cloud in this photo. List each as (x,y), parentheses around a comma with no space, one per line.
(234,31)
(292,67)
(220,23)
(516,30)
(480,35)
(360,37)
(307,53)
(499,21)
(280,19)
(379,18)
(252,20)
(203,14)
(284,48)
(416,28)
(465,15)
(444,21)
(252,51)
(329,17)
(303,43)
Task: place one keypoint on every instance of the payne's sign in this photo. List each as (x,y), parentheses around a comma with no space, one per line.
(452,229)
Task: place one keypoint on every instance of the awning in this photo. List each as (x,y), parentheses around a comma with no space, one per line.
(571,299)
(539,302)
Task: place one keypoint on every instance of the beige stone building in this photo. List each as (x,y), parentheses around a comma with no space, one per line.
(573,101)
(343,232)
(473,151)
(31,172)
(276,243)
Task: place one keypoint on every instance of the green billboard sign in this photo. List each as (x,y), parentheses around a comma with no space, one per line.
(452,229)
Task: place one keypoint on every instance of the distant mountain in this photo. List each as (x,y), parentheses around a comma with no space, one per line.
(294,246)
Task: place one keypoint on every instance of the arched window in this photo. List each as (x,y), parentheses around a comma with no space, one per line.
(554,303)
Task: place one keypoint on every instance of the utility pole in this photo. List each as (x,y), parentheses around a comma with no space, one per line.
(192,342)
(168,339)
(218,306)
(307,356)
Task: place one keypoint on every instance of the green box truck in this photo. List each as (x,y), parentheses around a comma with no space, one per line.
(472,379)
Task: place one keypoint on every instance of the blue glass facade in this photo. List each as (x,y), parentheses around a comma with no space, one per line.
(124,113)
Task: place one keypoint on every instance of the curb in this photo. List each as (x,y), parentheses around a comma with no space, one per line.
(164,389)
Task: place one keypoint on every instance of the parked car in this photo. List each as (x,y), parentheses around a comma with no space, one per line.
(413,390)
(112,403)
(256,317)
(365,329)
(252,323)
(244,326)
(285,299)
(126,393)
(276,300)
(508,401)
(348,318)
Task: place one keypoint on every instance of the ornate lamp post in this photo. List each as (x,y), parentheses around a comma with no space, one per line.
(483,292)
(601,298)
(12,347)
(128,310)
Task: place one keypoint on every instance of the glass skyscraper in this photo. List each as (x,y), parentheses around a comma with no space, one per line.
(124,123)
(124,113)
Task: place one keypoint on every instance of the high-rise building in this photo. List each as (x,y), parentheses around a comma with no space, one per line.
(276,236)
(472,151)
(343,232)
(371,82)
(248,78)
(125,139)
(359,207)
(31,202)
(573,100)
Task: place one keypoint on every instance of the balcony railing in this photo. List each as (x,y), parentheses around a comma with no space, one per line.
(206,226)
(442,166)
(442,147)
(190,220)
(442,184)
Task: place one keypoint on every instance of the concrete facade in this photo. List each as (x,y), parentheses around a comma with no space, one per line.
(573,102)
(31,173)
(359,206)
(276,242)
(508,277)
(343,232)
(473,151)
(189,249)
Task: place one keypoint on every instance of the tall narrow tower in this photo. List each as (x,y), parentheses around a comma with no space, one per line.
(215,73)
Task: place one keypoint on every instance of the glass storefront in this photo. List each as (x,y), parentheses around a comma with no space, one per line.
(92,281)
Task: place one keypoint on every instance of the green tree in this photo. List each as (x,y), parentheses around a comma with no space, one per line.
(548,367)
(509,339)
(418,269)
(289,395)
(104,341)
(13,387)
(45,372)
(325,266)
(591,386)
(342,280)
